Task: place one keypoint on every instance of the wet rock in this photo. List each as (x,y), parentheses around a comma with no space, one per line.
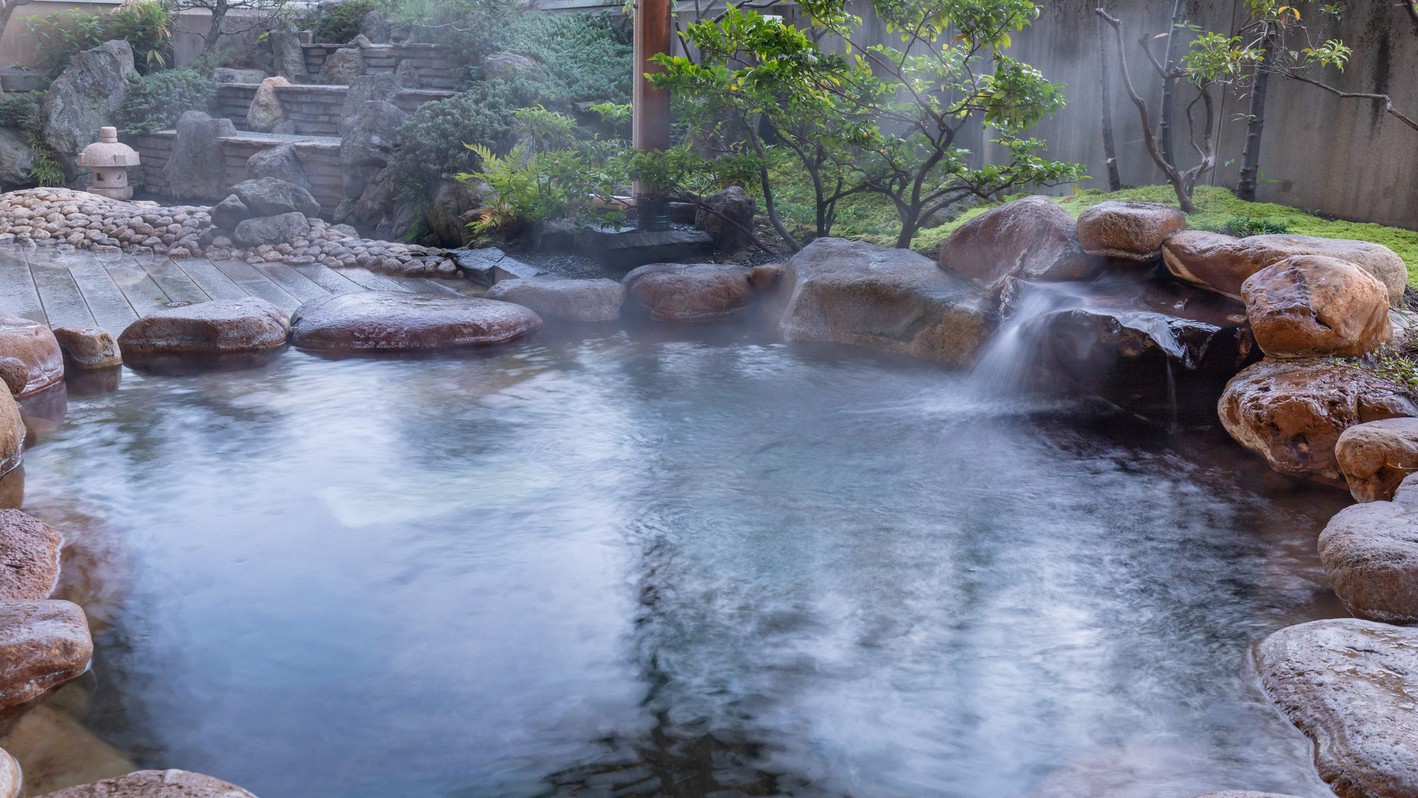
(14,373)
(280,163)
(1316,306)
(216,327)
(563,300)
(29,556)
(16,158)
(728,216)
(88,347)
(1292,412)
(230,75)
(34,345)
(1349,686)
(155,784)
(12,434)
(196,168)
(689,292)
(499,64)
(59,752)
(1222,263)
(287,54)
(1031,239)
(85,97)
(10,778)
(265,111)
(1128,230)
(268,196)
(230,212)
(389,321)
(271,230)
(894,300)
(342,67)
(1370,552)
(1375,457)
(43,644)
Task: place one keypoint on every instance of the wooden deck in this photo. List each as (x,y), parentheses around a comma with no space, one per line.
(112,291)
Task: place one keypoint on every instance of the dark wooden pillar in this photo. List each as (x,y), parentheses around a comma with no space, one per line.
(651,106)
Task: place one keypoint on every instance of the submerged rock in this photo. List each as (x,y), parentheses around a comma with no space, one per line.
(89,347)
(395,321)
(563,300)
(1316,306)
(1377,456)
(57,751)
(155,784)
(690,292)
(894,300)
(1032,239)
(221,326)
(1128,230)
(1222,263)
(29,556)
(1370,552)
(1349,686)
(39,362)
(1292,412)
(43,644)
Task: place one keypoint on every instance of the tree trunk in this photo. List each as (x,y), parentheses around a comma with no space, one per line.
(214,30)
(1255,124)
(1110,149)
(1174,43)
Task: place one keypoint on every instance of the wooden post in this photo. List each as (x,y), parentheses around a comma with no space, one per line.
(651,106)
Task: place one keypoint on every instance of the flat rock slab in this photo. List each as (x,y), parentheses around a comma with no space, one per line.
(43,644)
(690,292)
(563,300)
(1370,553)
(155,784)
(1350,686)
(29,556)
(222,326)
(34,347)
(393,322)
(1222,263)
(1377,456)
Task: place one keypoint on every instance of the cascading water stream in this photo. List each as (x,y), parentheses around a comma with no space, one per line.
(1009,364)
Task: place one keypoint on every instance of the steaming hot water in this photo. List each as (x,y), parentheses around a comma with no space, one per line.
(639,565)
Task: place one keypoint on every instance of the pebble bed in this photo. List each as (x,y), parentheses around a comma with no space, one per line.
(78,219)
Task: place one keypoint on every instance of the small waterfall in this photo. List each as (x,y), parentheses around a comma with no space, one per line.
(1008,365)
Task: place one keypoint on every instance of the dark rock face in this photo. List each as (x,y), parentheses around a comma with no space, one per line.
(1032,239)
(280,163)
(563,300)
(894,300)
(272,230)
(389,321)
(1375,457)
(1128,230)
(728,217)
(1292,412)
(43,644)
(342,67)
(217,327)
(155,784)
(268,196)
(89,347)
(230,212)
(196,169)
(1370,552)
(29,557)
(84,98)
(1222,263)
(16,159)
(375,27)
(455,205)
(1349,686)
(689,292)
(33,345)
(1316,306)
(288,55)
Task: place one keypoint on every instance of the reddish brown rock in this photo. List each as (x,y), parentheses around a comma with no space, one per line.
(155,784)
(1222,263)
(1032,238)
(1370,552)
(1349,686)
(12,433)
(222,326)
(32,344)
(1316,306)
(1377,456)
(10,778)
(690,292)
(1292,412)
(29,556)
(43,644)
(563,300)
(389,321)
(89,347)
(1128,230)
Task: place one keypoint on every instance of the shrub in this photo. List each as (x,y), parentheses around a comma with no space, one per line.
(20,110)
(432,141)
(340,24)
(584,57)
(1242,226)
(146,24)
(156,101)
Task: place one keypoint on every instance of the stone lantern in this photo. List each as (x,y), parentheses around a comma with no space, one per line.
(110,161)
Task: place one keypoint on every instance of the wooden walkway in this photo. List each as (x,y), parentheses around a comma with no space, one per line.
(82,288)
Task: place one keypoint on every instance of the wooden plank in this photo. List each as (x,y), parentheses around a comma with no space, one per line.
(17,292)
(372,281)
(328,279)
(294,283)
(174,282)
(210,278)
(423,285)
(257,284)
(63,303)
(112,310)
(141,290)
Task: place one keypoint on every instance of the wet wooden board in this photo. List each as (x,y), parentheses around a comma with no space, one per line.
(17,291)
(112,310)
(257,284)
(211,279)
(64,306)
(292,281)
(423,285)
(328,279)
(142,291)
(174,282)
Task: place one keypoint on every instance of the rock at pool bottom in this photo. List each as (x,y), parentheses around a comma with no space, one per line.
(155,784)
(1349,685)
(401,322)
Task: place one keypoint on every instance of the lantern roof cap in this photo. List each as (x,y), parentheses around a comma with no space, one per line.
(108,151)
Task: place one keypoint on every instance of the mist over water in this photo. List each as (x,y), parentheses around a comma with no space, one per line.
(637,565)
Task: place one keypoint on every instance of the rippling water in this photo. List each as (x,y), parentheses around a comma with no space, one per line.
(648,566)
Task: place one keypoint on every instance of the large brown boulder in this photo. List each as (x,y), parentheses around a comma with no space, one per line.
(1292,412)
(43,644)
(1032,238)
(894,300)
(1377,456)
(689,292)
(1128,230)
(1316,306)
(1222,263)
(222,326)
(88,348)
(394,321)
(12,433)
(1349,686)
(29,556)
(34,346)
(563,300)
(265,112)
(1370,552)
(155,784)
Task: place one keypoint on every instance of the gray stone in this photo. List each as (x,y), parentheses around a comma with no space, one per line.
(499,64)
(375,27)
(16,159)
(490,265)
(558,299)
(288,55)
(454,205)
(280,229)
(196,169)
(281,163)
(229,75)
(372,134)
(266,113)
(84,98)
(155,784)
(1370,553)
(728,217)
(269,196)
(342,67)
(230,212)
(408,75)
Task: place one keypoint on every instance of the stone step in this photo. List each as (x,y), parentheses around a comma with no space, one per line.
(315,109)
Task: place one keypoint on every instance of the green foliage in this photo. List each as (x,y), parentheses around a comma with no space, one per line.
(20,110)
(47,170)
(614,114)
(472,28)
(1242,226)
(533,187)
(431,142)
(582,57)
(146,24)
(339,24)
(1399,367)
(155,101)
